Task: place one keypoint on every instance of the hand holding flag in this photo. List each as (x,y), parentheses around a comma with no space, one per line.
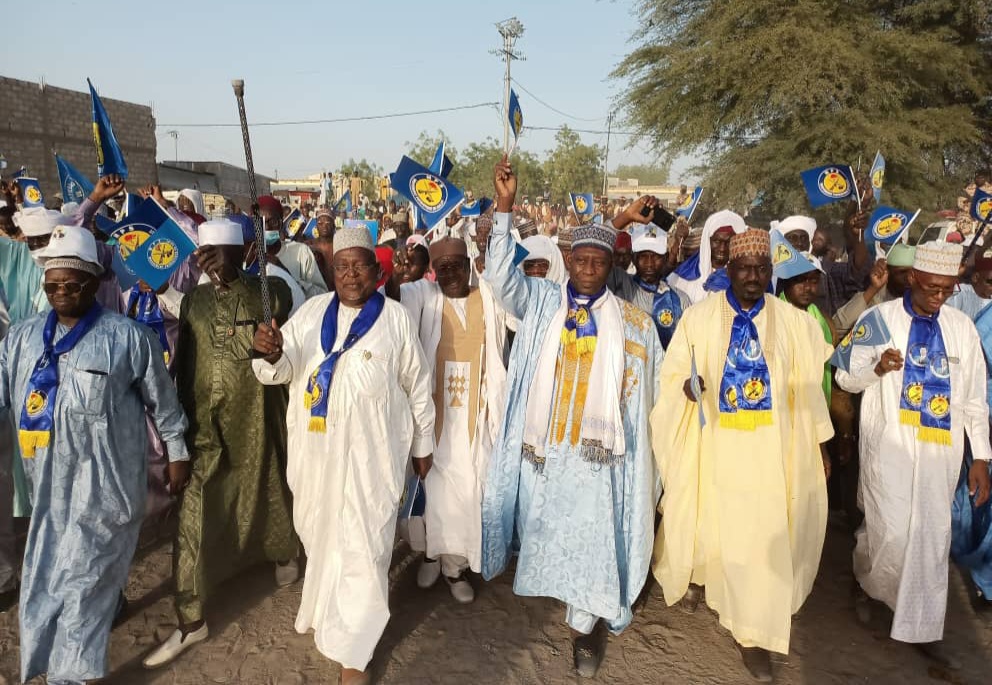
(516,119)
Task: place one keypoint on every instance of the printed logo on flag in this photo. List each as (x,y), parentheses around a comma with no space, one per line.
(878,178)
(133,239)
(985,207)
(889,225)
(32,194)
(687,202)
(162,253)
(427,191)
(36,402)
(581,206)
(863,333)
(782,254)
(833,183)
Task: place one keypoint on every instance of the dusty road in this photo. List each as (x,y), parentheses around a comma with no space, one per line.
(507,639)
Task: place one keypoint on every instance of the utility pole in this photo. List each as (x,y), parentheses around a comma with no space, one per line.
(175,139)
(510,29)
(606,157)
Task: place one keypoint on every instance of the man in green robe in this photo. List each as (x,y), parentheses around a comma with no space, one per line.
(237,509)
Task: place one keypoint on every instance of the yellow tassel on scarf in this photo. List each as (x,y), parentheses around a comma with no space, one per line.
(318,424)
(936,436)
(908,417)
(745,420)
(32,440)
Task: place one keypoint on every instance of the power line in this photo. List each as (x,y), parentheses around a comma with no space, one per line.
(557,111)
(370,117)
(581,130)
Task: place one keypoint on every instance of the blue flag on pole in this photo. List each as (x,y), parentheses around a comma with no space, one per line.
(688,206)
(981,206)
(515,115)
(309,231)
(131,204)
(829,183)
(787,261)
(869,330)
(31,190)
(441,165)
(132,231)
(293,222)
(75,186)
(161,254)
(877,175)
(346,199)
(582,203)
(888,224)
(109,157)
(432,195)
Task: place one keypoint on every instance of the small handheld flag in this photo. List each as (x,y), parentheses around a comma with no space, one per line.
(293,223)
(131,232)
(441,165)
(981,206)
(877,175)
(161,254)
(697,387)
(869,330)
(582,203)
(75,186)
(309,231)
(31,190)
(131,204)
(888,224)
(787,261)
(432,195)
(109,157)
(516,117)
(688,206)
(346,199)
(829,183)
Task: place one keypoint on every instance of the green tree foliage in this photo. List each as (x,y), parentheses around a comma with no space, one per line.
(367,171)
(763,89)
(646,174)
(573,167)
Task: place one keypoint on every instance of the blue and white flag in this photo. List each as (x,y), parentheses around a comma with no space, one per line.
(346,200)
(109,157)
(787,261)
(829,183)
(688,206)
(132,231)
(293,222)
(515,115)
(583,204)
(981,206)
(432,195)
(441,165)
(75,186)
(888,224)
(877,175)
(161,254)
(309,231)
(131,204)
(869,330)
(31,191)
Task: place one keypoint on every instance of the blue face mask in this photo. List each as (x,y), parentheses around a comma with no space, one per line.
(271,238)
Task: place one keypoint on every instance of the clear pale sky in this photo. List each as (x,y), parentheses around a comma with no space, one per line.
(320,60)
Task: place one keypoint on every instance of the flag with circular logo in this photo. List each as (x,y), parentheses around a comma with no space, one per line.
(829,183)
(433,196)
(981,206)
(888,224)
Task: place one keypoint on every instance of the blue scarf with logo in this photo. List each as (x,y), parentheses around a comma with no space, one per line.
(580,326)
(666,310)
(925,401)
(745,389)
(38,413)
(319,386)
(147,311)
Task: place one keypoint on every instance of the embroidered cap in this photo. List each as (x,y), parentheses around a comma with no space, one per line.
(938,257)
(751,243)
(347,238)
(594,235)
(71,247)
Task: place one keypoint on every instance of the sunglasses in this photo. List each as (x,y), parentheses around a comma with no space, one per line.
(69,287)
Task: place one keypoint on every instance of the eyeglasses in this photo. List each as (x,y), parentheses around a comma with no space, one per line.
(448,268)
(357,269)
(68,287)
(941,292)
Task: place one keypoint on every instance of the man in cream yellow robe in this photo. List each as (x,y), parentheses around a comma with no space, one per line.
(743,511)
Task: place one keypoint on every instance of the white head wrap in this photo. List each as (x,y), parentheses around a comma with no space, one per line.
(196,197)
(38,221)
(220,232)
(541,247)
(798,223)
(713,224)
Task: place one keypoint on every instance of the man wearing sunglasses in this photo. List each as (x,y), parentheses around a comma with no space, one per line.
(924,390)
(79,380)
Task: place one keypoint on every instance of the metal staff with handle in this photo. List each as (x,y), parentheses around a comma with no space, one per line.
(239,93)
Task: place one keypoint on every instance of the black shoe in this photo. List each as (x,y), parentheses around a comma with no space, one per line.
(758,663)
(690,600)
(589,652)
(939,654)
(8,599)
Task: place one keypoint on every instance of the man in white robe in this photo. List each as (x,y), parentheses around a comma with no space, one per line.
(463,334)
(924,389)
(347,468)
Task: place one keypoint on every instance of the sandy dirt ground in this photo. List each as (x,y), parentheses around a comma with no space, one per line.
(502,638)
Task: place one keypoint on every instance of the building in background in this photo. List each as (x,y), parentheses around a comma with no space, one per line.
(631,189)
(218,181)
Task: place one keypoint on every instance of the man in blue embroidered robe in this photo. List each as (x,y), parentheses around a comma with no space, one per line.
(80,379)
(572,475)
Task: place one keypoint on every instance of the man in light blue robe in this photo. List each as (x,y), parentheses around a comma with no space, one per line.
(85,464)
(582,510)
(8,548)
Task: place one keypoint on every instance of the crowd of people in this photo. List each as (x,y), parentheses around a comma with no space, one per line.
(587,403)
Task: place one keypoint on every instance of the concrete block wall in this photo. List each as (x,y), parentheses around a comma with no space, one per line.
(36,120)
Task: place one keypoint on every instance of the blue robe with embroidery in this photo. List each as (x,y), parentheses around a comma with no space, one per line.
(585,530)
(88,487)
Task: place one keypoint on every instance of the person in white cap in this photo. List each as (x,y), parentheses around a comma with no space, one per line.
(571,472)
(463,334)
(924,390)
(79,380)
(706,271)
(237,509)
(359,408)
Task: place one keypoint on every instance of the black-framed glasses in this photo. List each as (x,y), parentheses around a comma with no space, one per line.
(357,269)
(68,287)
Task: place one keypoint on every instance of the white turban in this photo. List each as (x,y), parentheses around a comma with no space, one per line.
(196,197)
(722,219)
(541,247)
(798,223)
(38,221)
(220,232)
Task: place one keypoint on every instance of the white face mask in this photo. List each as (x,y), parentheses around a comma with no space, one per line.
(271,238)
